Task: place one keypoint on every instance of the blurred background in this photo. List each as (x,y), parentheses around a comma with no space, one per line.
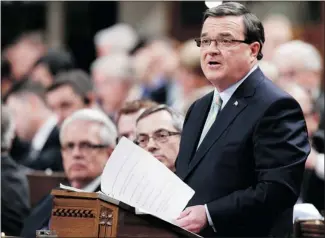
(112,52)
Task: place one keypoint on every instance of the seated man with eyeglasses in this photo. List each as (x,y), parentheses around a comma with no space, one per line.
(158,131)
(87,140)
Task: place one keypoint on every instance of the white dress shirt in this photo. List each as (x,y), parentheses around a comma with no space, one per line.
(91,187)
(319,166)
(43,133)
(225,96)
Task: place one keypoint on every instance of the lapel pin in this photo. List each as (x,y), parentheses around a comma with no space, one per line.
(236,103)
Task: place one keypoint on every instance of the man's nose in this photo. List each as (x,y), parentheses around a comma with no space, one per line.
(213,48)
(76,152)
(152,145)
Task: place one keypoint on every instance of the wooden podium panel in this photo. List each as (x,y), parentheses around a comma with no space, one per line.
(82,214)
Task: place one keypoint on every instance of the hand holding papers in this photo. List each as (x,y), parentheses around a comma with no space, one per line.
(133,176)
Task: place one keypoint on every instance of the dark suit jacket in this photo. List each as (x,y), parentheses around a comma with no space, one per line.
(14,197)
(249,167)
(39,217)
(49,156)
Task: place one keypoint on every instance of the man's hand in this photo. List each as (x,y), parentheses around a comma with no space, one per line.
(193,219)
(311,160)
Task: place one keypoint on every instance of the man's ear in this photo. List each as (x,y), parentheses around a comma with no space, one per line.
(255,48)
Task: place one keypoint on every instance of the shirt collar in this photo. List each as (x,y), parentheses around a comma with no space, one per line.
(43,133)
(226,94)
(91,187)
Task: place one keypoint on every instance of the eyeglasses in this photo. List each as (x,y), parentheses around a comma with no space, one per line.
(84,147)
(221,42)
(160,136)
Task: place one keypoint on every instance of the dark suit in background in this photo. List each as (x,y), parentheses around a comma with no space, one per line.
(49,156)
(14,197)
(249,167)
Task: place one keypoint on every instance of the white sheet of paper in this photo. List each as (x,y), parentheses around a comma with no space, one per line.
(133,176)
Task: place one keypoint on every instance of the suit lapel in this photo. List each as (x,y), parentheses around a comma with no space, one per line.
(190,136)
(236,104)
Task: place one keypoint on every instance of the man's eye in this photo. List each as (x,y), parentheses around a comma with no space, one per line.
(205,41)
(225,40)
(141,139)
(162,135)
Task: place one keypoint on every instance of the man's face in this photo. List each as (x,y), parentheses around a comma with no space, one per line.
(224,65)
(127,124)
(22,112)
(42,75)
(64,101)
(308,79)
(165,149)
(110,92)
(81,161)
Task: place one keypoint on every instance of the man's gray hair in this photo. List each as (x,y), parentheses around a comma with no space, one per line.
(108,132)
(117,65)
(177,118)
(299,53)
(7,129)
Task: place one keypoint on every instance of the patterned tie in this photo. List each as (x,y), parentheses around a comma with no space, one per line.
(216,107)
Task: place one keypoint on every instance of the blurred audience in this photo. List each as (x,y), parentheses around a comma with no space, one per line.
(114,82)
(24,52)
(127,116)
(300,62)
(48,66)
(190,76)
(155,67)
(158,130)
(120,37)
(277,31)
(36,124)
(71,91)
(87,140)
(14,184)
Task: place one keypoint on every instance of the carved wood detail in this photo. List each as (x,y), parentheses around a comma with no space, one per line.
(73,212)
(105,216)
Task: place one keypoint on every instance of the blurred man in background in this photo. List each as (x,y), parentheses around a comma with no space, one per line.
(71,91)
(300,62)
(127,116)
(158,131)
(278,30)
(24,52)
(14,184)
(155,67)
(118,38)
(114,81)
(47,67)
(190,77)
(36,124)
(87,140)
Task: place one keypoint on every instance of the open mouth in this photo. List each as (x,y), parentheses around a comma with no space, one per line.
(213,63)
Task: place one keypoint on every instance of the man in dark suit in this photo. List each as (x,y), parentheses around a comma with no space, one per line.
(14,185)
(36,124)
(243,146)
(88,137)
